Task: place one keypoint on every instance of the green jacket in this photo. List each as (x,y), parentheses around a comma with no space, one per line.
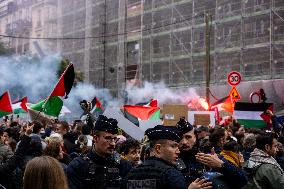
(265,176)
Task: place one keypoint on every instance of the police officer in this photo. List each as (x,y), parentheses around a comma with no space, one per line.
(159,171)
(187,162)
(102,168)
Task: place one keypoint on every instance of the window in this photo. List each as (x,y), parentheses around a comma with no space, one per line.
(261,27)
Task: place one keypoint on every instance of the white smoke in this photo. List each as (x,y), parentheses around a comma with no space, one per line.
(161,92)
(87,92)
(26,76)
(34,78)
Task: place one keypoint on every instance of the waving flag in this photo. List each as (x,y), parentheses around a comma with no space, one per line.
(96,106)
(5,104)
(251,114)
(134,113)
(65,83)
(225,103)
(20,106)
(51,107)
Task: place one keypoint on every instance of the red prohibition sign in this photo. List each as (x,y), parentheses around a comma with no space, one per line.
(234,78)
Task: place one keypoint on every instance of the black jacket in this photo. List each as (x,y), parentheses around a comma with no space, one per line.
(166,176)
(6,169)
(78,169)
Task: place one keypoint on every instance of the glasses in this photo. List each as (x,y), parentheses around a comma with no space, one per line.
(110,139)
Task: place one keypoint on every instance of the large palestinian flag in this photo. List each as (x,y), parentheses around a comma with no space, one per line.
(5,104)
(51,107)
(53,104)
(134,113)
(65,83)
(252,115)
(19,106)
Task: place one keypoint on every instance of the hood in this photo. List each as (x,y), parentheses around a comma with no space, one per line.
(258,157)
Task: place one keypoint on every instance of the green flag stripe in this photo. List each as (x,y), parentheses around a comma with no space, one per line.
(155,115)
(252,123)
(2,113)
(52,107)
(18,111)
(98,109)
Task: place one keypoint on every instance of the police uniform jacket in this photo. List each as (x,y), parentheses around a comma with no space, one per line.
(78,169)
(143,175)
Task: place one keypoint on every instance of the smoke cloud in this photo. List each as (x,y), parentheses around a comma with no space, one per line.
(26,76)
(34,78)
(160,92)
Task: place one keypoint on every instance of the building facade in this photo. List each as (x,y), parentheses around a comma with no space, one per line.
(154,40)
(25,25)
(44,27)
(115,42)
(16,24)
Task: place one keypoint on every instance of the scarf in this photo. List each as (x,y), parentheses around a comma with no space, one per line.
(260,157)
(232,157)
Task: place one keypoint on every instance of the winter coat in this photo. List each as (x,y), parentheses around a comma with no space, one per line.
(193,169)
(162,174)
(69,142)
(6,169)
(34,150)
(264,172)
(235,176)
(78,169)
(5,153)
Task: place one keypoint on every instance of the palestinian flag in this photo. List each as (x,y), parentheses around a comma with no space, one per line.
(19,106)
(65,83)
(96,106)
(5,104)
(250,114)
(225,103)
(51,107)
(135,113)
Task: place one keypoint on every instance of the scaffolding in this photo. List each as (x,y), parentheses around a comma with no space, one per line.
(164,40)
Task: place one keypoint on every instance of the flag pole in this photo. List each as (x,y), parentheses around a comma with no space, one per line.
(52,90)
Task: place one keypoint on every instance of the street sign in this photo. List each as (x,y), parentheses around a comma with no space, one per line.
(234,78)
(235,94)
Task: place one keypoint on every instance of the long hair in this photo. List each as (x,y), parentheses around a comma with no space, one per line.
(44,173)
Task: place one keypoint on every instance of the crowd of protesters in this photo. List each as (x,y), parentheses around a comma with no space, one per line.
(61,155)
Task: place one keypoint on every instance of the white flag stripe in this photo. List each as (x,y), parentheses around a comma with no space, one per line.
(251,115)
(16,106)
